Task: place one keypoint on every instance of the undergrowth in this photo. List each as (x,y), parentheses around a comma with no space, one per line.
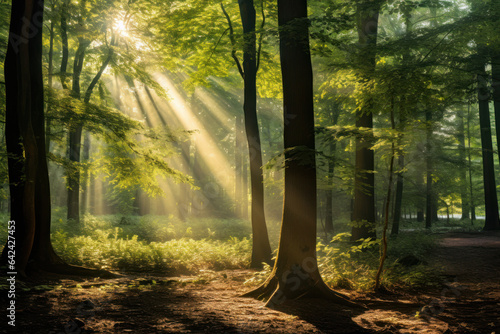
(171,246)
(352,266)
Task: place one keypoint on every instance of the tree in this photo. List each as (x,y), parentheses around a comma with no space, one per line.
(25,139)
(490,193)
(261,249)
(364,182)
(295,272)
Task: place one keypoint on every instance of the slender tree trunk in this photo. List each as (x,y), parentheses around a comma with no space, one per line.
(238,193)
(261,250)
(75,140)
(364,182)
(399,196)
(295,272)
(334,116)
(75,135)
(85,183)
(329,191)
(383,245)
(463,165)
(490,192)
(244,189)
(429,195)
(64,41)
(469,167)
(495,69)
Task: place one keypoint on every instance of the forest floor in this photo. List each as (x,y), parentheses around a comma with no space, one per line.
(466,301)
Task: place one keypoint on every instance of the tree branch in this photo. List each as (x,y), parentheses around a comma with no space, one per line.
(217,44)
(233,43)
(261,37)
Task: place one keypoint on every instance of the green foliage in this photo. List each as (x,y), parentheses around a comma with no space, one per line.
(110,244)
(352,266)
(349,266)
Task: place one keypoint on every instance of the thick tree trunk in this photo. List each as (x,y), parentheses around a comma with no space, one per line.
(261,250)
(295,272)
(28,177)
(364,181)
(490,192)
(15,95)
(50,79)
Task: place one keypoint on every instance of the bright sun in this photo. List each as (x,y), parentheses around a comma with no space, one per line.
(121,27)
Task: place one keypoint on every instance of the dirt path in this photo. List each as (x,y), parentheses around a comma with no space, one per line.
(466,301)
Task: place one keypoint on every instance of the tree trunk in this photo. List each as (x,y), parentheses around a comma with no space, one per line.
(469,167)
(463,165)
(75,135)
(75,140)
(25,135)
(364,181)
(495,69)
(490,192)
(334,116)
(329,191)
(261,250)
(50,74)
(64,41)
(399,196)
(429,195)
(238,168)
(85,184)
(295,272)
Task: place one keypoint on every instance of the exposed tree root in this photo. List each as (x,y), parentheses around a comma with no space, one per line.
(66,269)
(275,293)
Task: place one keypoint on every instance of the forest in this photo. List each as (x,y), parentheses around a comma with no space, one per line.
(250,166)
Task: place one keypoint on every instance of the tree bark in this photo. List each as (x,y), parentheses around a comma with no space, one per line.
(429,195)
(364,181)
(25,135)
(463,166)
(495,71)
(75,135)
(490,192)
(334,116)
(295,272)
(238,168)
(75,140)
(261,249)
(50,77)
(64,41)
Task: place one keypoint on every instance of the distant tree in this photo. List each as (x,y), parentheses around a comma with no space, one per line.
(364,180)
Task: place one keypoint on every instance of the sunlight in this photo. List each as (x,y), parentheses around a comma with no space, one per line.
(120,26)
(176,113)
(205,144)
